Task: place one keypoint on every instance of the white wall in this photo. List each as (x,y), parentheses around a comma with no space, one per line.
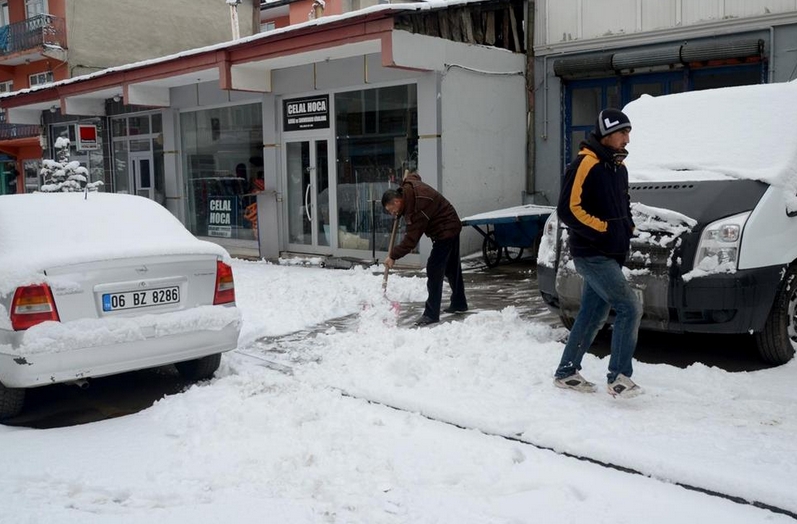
(483,143)
(558,21)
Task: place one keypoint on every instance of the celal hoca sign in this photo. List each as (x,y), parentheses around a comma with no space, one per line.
(311,112)
(220,217)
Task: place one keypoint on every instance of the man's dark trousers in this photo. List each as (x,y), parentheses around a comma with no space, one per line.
(444,262)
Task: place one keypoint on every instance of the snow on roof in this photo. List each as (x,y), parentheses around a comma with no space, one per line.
(742,132)
(45,230)
(324,20)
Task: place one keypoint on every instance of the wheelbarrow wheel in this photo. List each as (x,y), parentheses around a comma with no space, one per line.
(513,254)
(491,250)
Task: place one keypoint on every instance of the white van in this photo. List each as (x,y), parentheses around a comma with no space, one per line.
(714,197)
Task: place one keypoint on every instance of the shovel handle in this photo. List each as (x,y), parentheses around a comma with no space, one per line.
(389,249)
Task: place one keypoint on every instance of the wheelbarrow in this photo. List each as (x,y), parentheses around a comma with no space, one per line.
(508,232)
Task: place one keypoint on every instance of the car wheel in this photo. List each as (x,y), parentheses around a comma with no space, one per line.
(491,250)
(567,322)
(778,339)
(200,368)
(11,400)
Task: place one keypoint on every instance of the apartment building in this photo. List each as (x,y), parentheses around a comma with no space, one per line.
(46,41)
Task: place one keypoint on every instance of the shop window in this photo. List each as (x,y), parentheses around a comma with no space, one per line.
(377,139)
(223,169)
(138,125)
(91,159)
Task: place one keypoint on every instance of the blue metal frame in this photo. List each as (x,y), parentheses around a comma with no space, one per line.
(626,83)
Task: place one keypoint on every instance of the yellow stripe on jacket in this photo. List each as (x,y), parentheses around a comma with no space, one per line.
(578,211)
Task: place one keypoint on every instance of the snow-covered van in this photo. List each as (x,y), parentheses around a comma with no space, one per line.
(714,198)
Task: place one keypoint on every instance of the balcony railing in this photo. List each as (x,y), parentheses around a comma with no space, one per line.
(12,131)
(33,33)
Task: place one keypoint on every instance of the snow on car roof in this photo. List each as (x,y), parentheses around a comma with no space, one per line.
(42,230)
(733,132)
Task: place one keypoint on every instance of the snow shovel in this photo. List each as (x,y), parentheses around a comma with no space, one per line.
(393,305)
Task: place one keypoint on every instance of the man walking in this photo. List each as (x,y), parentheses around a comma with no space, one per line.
(594,204)
(427,211)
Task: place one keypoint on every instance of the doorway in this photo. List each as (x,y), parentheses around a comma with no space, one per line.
(141,174)
(309,195)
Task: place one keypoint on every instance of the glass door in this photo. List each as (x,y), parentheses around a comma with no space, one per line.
(308,194)
(141,172)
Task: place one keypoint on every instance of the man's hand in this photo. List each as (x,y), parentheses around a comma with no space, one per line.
(389,262)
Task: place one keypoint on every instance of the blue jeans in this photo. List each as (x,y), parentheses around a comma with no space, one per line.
(605,287)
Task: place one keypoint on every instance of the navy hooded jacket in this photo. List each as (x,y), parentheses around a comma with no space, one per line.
(594,203)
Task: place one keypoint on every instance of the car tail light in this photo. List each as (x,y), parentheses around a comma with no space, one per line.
(32,305)
(225,286)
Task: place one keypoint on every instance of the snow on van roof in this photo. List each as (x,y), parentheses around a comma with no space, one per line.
(45,230)
(733,132)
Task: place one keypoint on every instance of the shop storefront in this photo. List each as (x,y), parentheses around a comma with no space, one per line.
(222,165)
(342,150)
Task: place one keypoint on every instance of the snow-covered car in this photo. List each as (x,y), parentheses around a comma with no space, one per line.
(94,284)
(714,200)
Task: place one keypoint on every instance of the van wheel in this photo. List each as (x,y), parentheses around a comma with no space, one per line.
(778,339)
(199,369)
(567,322)
(11,401)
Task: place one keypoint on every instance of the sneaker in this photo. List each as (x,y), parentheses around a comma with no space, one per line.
(623,387)
(452,309)
(576,382)
(425,321)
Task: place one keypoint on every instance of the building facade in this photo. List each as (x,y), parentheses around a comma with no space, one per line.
(285,141)
(590,55)
(45,41)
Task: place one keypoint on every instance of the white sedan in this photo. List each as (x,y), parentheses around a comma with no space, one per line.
(97,284)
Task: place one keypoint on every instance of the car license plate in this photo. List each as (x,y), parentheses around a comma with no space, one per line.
(139,299)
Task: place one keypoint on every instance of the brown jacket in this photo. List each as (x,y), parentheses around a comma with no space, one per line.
(425,211)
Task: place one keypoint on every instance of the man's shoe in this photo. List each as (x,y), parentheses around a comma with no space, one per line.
(575,382)
(624,387)
(452,309)
(425,321)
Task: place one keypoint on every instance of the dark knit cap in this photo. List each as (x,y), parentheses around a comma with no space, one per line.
(609,121)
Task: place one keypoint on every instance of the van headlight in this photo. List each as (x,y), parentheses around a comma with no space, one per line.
(719,243)
(546,255)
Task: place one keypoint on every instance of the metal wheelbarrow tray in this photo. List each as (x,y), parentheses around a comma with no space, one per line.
(509,231)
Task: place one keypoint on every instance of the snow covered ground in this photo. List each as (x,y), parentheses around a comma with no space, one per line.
(324,443)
